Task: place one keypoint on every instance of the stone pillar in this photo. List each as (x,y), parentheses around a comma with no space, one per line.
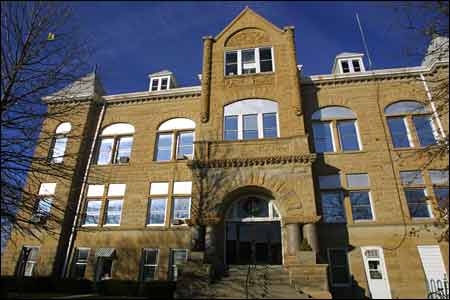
(293,238)
(293,71)
(310,234)
(210,242)
(206,77)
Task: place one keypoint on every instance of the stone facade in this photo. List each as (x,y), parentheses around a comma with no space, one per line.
(286,169)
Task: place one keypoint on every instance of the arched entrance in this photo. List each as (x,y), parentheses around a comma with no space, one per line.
(253,232)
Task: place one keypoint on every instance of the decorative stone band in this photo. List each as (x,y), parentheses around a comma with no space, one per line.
(255,161)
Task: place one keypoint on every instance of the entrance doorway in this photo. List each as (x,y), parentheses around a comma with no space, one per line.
(253,232)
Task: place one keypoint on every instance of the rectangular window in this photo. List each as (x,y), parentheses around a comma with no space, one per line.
(105,151)
(424,130)
(417,203)
(164,146)
(361,208)
(231,128)
(323,139)
(411,177)
(441,194)
(185,145)
(164,83)
(356,66)
(155,84)
(248,61)
(231,63)
(92,212)
(124,150)
(338,267)
(399,133)
(177,257)
(270,125)
(42,209)
(345,66)
(113,212)
(265,59)
(250,127)
(59,148)
(348,135)
(333,207)
(330,182)
(150,258)
(80,262)
(156,211)
(28,260)
(357,180)
(439,176)
(181,208)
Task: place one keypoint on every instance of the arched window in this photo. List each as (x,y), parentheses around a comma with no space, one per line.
(251,119)
(181,131)
(252,208)
(406,118)
(331,119)
(115,144)
(59,143)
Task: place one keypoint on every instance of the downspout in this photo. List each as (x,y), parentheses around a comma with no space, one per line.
(82,191)
(433,106)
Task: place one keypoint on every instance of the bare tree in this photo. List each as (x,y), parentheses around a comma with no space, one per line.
(42,51)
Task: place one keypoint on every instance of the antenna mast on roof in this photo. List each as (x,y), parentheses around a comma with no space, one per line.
(364,41)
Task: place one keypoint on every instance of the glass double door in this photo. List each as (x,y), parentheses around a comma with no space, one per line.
(253,243)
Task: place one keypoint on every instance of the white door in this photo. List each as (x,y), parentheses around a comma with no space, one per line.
(433,266)
(376,272)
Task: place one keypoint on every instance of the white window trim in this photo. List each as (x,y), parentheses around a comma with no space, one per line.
(408,132)
(350,65)
(427,202)
(329,250)
(155,276)
(99,213)
(165,211)
(173,209)
(77,258)
(174,266)
(358,137)
(239,61)
(434,129)
(333,138)
(159,83)
(120,215)
(365,189)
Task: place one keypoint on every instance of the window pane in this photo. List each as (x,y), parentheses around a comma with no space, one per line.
(164,82)
(155,84)
(179,256)
(265,57)
(332,207)
(157,211)
(270,125)
(114,212)
(417,205)
(124,149)
(399,133)
(442,197)
(323,141)
(330,182)
(231,57)
(361,209)
(231,128)
(164,146)
(248,61)
(92,212)
(231,69)
(357,180)
(185,145)
(44,206)
(411,177)
(356,66)
(105,151)
(403,107)
(250,127)
(424,130)
(345,66)
(439,176)
(181,208)
(58,149)
(150,256)
(333,112)
(348,135)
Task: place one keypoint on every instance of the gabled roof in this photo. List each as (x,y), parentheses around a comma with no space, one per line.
(86,87)
(161,73)
(348,54)
(247,10)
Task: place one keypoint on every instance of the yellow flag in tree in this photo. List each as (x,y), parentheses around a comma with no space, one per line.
(51,36)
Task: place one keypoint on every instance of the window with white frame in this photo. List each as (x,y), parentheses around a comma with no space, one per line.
(251,119)
(28,260)
(157,203)
(160,83)
(439,179)
(339,272)
(43,205)
(113,204)
(177,257)
(415,194)
(408,118)
(350,65)
(115,144)
(344,120)
(175,140)
(249,61)
(80,261)
(149,267)
(59,143)
(181,205)
(332,199)
(360,197)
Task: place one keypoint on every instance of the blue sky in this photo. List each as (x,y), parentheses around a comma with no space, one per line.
(133,39)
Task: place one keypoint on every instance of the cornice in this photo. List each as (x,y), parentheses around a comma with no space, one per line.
(172,94)
(305,159)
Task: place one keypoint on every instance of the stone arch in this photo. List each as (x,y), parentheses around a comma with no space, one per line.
(247,36)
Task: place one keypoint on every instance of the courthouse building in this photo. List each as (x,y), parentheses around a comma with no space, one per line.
(323,176)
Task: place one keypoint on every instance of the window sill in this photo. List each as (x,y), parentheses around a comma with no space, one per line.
(172,161)
(111,225)
(341,152)
(111,165)
(249,74)
(415,148)
(251,140)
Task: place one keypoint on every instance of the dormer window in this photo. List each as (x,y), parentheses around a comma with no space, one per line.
(249,61)
(159,84)
(348,63)
(350,66)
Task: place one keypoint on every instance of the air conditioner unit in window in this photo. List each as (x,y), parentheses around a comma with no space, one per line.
(124,159)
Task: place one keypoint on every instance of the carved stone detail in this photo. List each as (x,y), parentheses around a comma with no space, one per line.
(247,37)
(248,80)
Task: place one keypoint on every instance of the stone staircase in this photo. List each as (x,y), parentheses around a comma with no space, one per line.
(262,282)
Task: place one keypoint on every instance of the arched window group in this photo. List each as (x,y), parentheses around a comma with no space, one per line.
(175,140)
(408,118)
(335,129)
(59,143)
(115,144)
